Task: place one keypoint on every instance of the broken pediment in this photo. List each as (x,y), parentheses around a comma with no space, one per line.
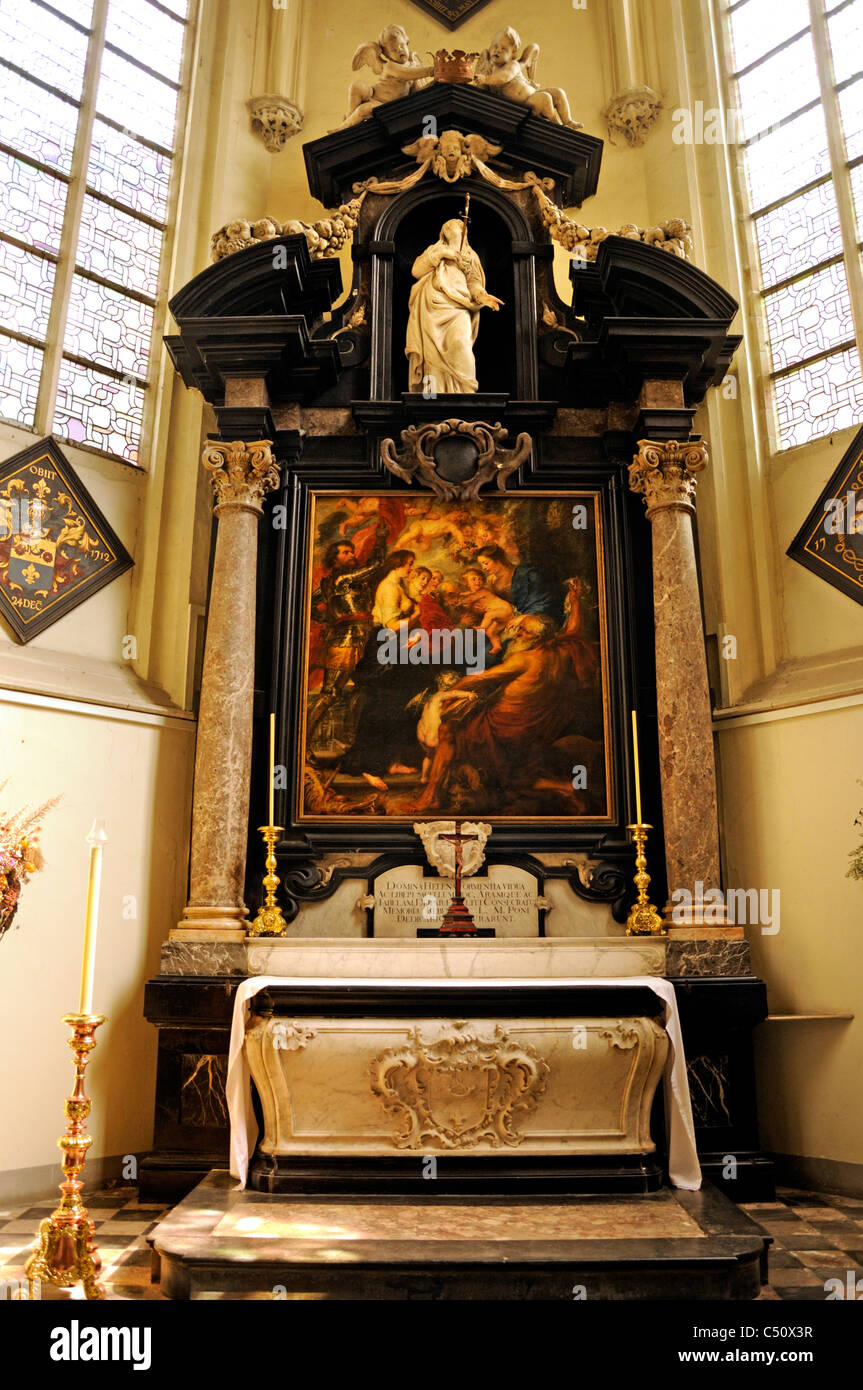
(376,147)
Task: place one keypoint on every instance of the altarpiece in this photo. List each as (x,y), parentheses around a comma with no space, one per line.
(454,552)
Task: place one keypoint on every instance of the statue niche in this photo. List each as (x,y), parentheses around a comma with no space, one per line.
(446,283)
(444,313)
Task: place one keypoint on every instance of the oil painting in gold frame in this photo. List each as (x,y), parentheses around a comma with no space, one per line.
(455,659)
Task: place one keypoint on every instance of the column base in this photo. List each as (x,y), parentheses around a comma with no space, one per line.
(699,924)
(212,923)
(704,933)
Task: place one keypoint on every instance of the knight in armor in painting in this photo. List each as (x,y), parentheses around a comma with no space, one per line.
(343,604)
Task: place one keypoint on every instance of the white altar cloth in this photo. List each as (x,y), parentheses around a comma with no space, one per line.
(683,1166)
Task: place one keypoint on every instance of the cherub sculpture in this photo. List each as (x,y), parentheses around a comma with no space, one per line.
(501,70)
(399,73)
(451,154)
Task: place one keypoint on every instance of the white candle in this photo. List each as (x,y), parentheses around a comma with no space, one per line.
(637,770)
(96,840)
(272,764)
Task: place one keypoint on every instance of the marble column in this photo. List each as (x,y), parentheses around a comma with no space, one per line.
(665,474)
(241,474)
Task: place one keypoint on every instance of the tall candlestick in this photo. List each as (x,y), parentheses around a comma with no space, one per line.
(271,820)
(637,769)
(96,840)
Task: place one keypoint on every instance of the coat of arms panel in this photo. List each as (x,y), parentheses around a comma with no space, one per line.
(56,547)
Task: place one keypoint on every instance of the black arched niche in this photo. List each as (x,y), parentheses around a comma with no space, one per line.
(500,234)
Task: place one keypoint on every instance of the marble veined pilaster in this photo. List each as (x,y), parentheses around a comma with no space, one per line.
(664,473)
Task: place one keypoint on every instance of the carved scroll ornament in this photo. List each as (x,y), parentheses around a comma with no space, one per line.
(460,1090)
(441,853)
(427,454)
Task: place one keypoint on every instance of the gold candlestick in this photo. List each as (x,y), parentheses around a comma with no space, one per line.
(643,919)
(269,921)
(66,1254)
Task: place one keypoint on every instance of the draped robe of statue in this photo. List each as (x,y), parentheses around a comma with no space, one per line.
(443,319)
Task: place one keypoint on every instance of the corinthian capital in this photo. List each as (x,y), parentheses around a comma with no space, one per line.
(664,472)
(241,473)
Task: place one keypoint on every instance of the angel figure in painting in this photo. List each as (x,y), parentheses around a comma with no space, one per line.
(399,72)
(501,70)
(443,314)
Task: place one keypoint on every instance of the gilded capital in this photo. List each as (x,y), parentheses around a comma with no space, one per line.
(241,473)
(664,472)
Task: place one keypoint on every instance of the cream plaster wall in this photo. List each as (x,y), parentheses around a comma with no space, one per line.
(790,792)
(134,770)
(76,720)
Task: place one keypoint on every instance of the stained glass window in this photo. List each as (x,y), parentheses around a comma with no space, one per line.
(26,287)
(797,84)
(90,93)
(20,369)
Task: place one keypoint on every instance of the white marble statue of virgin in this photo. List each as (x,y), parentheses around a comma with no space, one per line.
(444,314)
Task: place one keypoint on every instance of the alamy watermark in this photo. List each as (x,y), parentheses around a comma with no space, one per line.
(432,647)
(746,906)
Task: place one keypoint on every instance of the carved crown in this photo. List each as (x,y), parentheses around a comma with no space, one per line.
(457,66)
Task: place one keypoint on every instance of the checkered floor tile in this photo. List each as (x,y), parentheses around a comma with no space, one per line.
(815,1238)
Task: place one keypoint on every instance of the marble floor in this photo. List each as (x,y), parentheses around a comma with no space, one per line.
(816,1237)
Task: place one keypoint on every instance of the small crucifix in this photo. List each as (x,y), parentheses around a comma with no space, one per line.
(458,921)
(465,219)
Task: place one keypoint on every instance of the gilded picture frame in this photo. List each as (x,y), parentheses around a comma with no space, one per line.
(454,659)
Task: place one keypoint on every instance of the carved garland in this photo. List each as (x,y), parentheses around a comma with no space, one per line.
(450,156)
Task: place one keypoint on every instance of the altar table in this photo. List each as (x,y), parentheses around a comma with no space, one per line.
(683,1166)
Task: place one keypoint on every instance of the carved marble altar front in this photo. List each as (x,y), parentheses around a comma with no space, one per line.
(380,1086)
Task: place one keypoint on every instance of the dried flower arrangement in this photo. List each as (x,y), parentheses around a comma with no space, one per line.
(20,855)
(855,868)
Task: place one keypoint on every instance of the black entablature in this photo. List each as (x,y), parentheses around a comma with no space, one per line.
(375,147)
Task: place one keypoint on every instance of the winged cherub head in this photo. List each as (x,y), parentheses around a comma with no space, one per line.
(504,46)
(395,43)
